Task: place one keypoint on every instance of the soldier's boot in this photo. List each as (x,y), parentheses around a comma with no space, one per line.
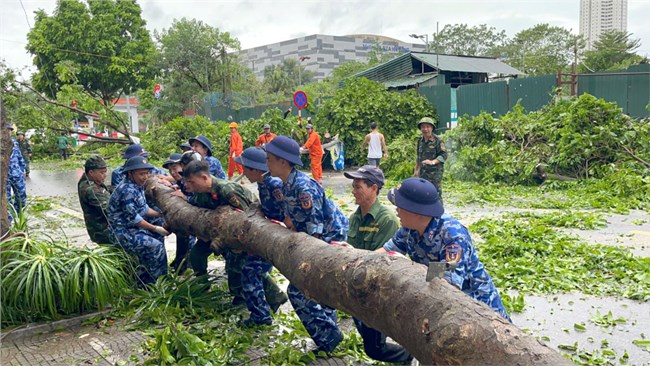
(273,294)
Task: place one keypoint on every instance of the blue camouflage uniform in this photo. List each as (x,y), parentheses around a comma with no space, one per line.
(215,167)
(118,175)
(16,190)
(447,240)
(313,213)
(255,267)
(127,207)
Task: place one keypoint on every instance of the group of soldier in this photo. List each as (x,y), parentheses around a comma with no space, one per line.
(291,198)
(18,170)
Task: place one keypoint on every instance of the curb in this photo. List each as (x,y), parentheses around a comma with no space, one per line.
(37,328)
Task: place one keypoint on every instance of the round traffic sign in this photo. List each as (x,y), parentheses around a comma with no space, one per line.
(300,99)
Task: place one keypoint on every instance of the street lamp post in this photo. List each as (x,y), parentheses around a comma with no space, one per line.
(301,58)
(424,38)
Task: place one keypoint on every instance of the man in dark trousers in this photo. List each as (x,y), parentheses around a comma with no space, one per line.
(372,225)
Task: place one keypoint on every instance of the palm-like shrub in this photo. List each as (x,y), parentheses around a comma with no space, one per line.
(43,279)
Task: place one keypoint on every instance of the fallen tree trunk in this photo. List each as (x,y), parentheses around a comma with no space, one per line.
(436,322)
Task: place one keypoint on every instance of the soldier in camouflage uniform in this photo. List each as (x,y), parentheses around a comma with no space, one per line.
(26,150)
(307,209)
(93,198)
(430,162)
(137,227)
(210,192)
(256,268)
(427,235)
(16,189)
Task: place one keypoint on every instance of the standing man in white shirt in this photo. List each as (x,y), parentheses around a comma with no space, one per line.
(376,145)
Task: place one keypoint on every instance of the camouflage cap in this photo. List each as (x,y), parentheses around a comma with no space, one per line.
(95,162)
(428,120)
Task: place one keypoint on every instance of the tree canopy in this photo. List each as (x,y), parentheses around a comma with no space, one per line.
(613,50)
(461,39)
(101,45)
(542,49)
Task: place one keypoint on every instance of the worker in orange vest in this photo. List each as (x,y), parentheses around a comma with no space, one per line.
(236,148)
(266,137)
(315,153)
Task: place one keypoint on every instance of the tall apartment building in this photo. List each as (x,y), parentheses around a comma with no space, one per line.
(600,16)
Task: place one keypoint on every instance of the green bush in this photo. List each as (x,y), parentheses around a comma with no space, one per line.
(582,138)
(360,102)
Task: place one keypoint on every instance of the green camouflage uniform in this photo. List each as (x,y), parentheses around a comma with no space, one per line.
(94,198)
(433,148)
(236,195)
(26,150)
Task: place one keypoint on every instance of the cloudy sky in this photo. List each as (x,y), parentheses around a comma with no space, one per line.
(260,22)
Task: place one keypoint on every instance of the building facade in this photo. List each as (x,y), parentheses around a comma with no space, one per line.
(600,16)
(321,53)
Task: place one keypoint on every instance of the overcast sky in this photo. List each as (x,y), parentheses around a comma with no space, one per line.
(261,22)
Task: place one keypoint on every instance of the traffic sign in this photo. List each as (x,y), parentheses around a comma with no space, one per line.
(300,99)
(156,91)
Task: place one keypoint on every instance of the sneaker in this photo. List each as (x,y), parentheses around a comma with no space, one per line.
(249,323)
(276,307)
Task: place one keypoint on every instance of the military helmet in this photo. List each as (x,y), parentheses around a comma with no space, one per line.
(428,120)
(95,162)
(190,156)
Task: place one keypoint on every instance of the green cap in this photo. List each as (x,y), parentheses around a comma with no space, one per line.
(428,120)
(95,162)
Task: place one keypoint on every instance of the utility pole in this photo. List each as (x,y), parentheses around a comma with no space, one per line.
(574,78)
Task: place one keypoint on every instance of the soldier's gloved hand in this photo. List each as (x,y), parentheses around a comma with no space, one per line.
(161,230)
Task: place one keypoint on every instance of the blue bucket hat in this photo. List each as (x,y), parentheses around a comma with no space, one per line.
(134,150)
(135,163)
(418,196)
(185,146)
(204,140)
(286,148)
(173,159)
(254,158)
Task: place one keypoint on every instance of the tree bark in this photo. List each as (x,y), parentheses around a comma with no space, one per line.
(436,322)
(6,146)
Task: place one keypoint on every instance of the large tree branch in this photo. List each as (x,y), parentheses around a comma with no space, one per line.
(435,321)
(110,124)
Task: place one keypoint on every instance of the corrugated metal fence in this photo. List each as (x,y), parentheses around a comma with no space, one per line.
(630,92)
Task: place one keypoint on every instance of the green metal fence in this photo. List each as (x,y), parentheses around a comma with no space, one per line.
(489,97)
(630,92)
(440,97)
(533,93)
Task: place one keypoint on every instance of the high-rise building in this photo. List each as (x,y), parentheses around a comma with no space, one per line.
(600,16)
